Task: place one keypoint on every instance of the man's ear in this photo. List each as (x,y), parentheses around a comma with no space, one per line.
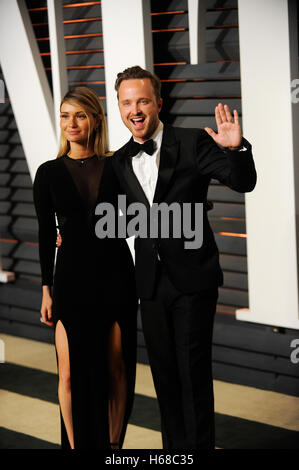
(160,104)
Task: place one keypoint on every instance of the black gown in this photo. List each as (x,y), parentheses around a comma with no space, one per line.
(93,287)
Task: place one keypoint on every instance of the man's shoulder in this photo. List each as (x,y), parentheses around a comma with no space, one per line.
(119,153)
(121,149)
(182,132)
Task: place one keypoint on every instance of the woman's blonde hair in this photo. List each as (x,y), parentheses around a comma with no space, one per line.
(91,104)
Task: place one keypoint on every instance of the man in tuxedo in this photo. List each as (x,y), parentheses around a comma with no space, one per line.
(178,287)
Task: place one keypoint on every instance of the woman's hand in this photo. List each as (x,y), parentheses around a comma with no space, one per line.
(58,240)
(46,308)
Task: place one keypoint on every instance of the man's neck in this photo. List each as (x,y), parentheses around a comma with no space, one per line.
(152,136)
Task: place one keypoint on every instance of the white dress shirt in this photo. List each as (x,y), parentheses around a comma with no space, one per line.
(146,166)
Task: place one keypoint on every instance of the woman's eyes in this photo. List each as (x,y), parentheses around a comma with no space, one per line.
(79,116)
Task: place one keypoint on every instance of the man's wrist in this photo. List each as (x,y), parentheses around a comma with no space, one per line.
(240,148)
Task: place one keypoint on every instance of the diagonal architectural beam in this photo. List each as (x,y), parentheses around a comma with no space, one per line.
(58,57)
(27,84)
(31,99)
(2,92)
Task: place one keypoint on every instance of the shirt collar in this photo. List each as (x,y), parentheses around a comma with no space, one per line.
(157,135)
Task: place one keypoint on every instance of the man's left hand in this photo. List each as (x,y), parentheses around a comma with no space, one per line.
(229,132)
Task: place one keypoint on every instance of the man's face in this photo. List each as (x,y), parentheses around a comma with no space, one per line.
(138,107)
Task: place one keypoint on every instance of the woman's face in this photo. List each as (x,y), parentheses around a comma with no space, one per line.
(74,123)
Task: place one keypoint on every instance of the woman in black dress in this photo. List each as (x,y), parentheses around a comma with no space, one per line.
(90,296)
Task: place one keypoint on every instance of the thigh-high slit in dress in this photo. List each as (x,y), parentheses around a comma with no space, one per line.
(93,286)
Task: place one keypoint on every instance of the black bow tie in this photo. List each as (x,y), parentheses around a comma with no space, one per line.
(148,147)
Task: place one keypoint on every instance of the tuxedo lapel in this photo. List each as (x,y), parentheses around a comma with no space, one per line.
(128,176)
(168,157)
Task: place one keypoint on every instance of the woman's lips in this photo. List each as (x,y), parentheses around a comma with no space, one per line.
(73,132)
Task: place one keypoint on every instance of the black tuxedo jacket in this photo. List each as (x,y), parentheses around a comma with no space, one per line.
(189,159)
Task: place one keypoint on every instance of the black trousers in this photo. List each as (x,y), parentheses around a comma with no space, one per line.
(178,331)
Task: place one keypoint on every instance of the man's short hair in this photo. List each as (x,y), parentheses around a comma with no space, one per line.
(137,72)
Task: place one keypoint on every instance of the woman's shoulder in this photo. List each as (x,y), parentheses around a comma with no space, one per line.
(48,164)
(47,168)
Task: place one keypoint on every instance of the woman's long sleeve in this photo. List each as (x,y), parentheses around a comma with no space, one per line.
(47,224)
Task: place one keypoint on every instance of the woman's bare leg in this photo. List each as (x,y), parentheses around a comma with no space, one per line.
(64,384)
(117,385)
